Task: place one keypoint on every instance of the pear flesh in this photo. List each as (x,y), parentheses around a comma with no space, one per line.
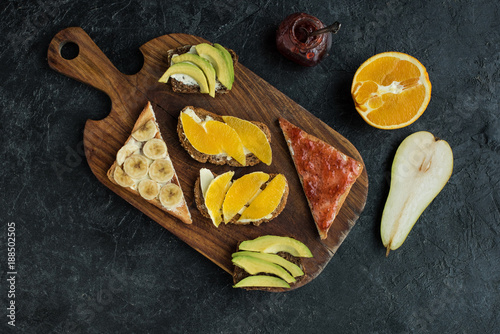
(422,166)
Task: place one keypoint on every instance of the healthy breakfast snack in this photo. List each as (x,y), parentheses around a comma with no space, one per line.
(269,262)
(143,166)
(201,68)
(391,90)
(223,139)
(326,174)
(253,198)
(422,166)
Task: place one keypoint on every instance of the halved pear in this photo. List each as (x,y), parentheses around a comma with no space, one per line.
(422,166)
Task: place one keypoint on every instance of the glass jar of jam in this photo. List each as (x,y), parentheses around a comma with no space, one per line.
(293,40)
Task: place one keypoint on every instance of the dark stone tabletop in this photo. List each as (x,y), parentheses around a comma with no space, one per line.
(88,262)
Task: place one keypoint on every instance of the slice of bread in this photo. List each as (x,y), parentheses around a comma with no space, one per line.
(338,190)
(181,210)
(216,159)
(200,203)
(179,86)
(239,274)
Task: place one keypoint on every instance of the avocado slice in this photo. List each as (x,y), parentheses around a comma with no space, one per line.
(276,259)
(218,61)
(189,69)
(253,265)
(228,58)
(203,64)
(275,244)
(261,281)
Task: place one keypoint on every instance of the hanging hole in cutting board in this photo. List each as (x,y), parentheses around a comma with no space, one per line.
(69,50)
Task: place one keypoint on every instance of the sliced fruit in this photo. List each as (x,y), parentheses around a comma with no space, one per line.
(155,149)
(274,244)
(145,132)
(267,201)
(242,191)
(204,65)
(391,90)
(170,195)
(161,170)
(422,166)
(136,166)
(148,189)
(276,259)
(229,61)
(188,69)
(218,61)
(228,139)
(198,136)
(262,281)
(253,265)
(215,196)
(252,137)
(206,177)
(121,178)
(126,151)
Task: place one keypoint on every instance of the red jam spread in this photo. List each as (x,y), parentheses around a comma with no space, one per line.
(325,172)
(294,43)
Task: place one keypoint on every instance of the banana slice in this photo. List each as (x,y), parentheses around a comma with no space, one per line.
(136,166)
(126,151)
(170,195)
(121,178)
(148,189)
(155,149)
(161,170)
(145,132)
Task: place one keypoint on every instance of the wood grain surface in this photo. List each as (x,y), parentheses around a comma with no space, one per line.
(251,98)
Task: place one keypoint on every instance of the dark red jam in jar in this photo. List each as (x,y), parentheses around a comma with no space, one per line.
(294,43)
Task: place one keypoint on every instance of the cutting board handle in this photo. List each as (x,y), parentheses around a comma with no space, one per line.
(90,66)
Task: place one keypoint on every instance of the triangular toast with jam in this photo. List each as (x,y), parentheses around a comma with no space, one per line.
(143,167)
(326,174)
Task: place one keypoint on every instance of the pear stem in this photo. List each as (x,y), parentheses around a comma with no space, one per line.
(388,250)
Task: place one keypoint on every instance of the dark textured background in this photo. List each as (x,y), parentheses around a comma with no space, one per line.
(89,262)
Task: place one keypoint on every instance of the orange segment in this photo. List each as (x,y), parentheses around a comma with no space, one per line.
(215,194)
(252,137)
(198,136)
(267,201)
(391,90)
(227,139)
(241,192)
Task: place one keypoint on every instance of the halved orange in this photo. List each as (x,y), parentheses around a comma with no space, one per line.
(391,90)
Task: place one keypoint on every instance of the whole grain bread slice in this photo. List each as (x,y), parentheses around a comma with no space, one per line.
(200,203)
(215,159)
(179,86)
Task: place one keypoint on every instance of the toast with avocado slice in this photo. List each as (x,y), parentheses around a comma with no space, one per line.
(270,266)
(221,61)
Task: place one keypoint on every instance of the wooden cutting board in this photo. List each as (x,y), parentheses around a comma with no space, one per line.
(251,98)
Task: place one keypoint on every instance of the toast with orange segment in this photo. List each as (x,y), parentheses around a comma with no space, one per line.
(220,140)
(253,198)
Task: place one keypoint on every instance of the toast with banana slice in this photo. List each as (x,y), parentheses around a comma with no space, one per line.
(143,167)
